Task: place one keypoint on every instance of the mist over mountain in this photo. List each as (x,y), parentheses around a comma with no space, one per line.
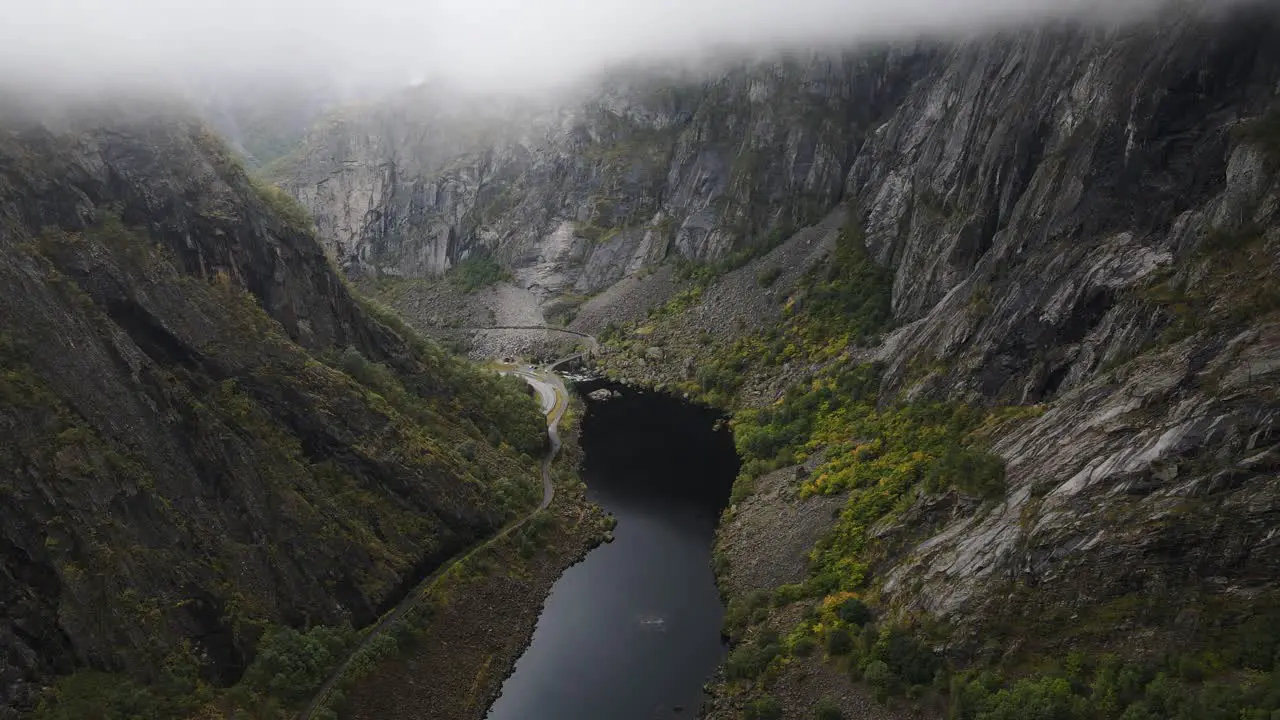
(505,45)
(986,289)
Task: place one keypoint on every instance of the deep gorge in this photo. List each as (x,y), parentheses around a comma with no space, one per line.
(996,318)
(633,631)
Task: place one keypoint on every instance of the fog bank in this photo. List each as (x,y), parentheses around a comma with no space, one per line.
(492,44)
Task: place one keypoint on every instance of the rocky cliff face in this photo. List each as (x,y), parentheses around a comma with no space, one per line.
(1054,207)
(583,193)
(1079,222)
(205,433)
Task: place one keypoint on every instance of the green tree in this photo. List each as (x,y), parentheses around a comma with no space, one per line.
(1044,699)
(854,611)
(291,665)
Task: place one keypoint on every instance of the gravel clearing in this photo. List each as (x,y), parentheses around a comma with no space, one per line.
(733,306)
(737,299)
(628,300)
(807,681)
(768,536)
(534,345)
(430,304)
(511,305)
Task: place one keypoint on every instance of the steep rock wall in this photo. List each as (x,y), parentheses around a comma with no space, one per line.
(179,468)
(1083,220)
(647,169)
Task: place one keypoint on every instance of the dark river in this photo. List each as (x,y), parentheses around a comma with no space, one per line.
(633,631)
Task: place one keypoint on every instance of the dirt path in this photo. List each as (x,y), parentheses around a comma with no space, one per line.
(555,400)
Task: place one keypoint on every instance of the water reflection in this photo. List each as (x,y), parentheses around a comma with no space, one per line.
(633,631)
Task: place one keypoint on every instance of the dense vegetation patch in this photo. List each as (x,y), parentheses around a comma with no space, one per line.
(179,692)
(1233,674)
(843,302)
(291,665)
(882,457)
(1238,686)
(894,659)
(848,301)
(477,272)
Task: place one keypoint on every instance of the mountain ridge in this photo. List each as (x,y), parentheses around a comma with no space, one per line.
(209,435)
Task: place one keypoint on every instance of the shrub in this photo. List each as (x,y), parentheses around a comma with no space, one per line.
(765,708)
(741,611)
(878,674)
(854,611)
(749,660)
(610,333)
(906,656)
(290,665)
(718,377)
(973,471)
(93,694)
(477,272)
(827,710)
(804,647)
(743,486)
(719,563)
(839,642)
(786,594)
(768,277)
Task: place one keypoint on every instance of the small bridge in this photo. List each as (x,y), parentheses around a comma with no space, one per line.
(545,328)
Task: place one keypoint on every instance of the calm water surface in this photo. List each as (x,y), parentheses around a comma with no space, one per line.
(633,631)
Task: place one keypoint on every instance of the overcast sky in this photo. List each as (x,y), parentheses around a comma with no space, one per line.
(504,43)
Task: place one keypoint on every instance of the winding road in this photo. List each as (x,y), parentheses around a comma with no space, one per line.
(554,400)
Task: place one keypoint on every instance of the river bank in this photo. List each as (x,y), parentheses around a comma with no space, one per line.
(483,617)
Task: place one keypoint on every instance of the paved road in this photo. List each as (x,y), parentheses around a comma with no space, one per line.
(555,400)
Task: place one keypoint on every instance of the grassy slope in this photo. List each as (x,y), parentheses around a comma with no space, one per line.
(445,425)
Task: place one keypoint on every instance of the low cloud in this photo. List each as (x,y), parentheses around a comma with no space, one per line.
(508,44)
